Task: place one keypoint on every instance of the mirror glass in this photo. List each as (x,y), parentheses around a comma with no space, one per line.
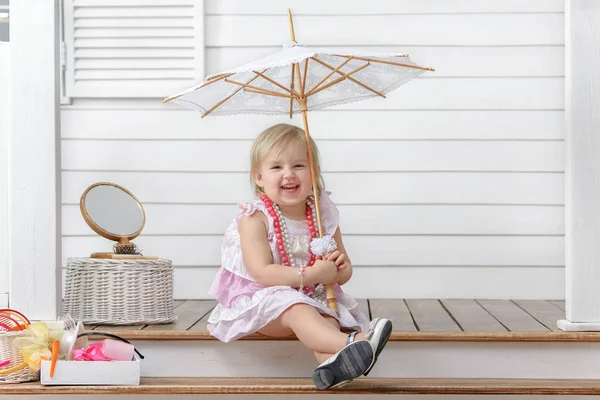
(114,210)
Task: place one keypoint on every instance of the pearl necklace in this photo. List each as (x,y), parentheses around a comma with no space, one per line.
(316,292)
(281,232)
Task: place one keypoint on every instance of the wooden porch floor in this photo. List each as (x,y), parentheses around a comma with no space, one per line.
(413,320)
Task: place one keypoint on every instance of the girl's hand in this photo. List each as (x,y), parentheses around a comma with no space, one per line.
(325,272)
(340,260)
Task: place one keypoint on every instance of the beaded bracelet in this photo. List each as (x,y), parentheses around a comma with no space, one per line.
(301,274)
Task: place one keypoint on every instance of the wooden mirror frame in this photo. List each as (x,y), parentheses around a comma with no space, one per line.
(96,228)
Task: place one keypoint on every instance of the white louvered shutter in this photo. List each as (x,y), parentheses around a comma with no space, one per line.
(132,48)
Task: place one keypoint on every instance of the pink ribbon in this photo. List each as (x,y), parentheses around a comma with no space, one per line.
(4,363)
(92,353)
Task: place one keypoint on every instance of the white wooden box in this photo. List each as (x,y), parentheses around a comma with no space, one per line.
(92,373)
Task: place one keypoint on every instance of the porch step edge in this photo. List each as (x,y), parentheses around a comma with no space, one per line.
(180,386)
(396,336)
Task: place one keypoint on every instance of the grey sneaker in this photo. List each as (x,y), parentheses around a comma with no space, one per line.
(350,362)
(380,330)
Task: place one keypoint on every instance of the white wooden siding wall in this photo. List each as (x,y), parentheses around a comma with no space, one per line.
(4,171)
(451,187)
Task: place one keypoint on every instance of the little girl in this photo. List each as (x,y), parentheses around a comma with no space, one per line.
(271,283)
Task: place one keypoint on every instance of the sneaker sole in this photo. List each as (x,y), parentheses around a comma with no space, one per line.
(385,336)
(350,363)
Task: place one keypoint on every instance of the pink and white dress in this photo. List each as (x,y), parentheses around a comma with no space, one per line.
(245,306)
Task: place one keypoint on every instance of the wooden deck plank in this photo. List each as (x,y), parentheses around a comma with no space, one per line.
(472,317)
(473,322)
(187,314)
(430,316)
(511,316)
(559,303)
(201,324)
(543,311)
(396,311)
(284,386)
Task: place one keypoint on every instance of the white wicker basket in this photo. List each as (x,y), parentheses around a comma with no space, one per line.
(10,352)
(119,292)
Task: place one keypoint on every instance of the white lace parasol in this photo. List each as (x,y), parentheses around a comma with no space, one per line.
(299,79)
(332,76)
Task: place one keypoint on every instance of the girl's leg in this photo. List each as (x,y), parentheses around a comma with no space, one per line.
(276,329)
(310,327)
(322,335)
(324,356)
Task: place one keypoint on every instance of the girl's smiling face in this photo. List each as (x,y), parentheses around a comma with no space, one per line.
(284,176)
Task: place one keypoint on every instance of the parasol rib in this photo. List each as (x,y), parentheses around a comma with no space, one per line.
(258,89)
(328,76)
(292,93)
(217,78)
(267,93)
(210,81)
(323,63)
(338,80)
(213,108)
(388,62)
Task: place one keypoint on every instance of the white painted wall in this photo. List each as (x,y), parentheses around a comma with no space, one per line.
(458,190)
(35,184)
(4,170)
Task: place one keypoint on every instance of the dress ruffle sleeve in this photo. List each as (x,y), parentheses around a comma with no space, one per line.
(231,252)
(251,208)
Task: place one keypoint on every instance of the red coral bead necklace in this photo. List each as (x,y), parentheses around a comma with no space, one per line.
(281,233)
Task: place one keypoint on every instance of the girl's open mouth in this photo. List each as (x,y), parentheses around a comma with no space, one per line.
(290,188)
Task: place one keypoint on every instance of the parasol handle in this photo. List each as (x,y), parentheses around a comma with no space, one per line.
(329,289)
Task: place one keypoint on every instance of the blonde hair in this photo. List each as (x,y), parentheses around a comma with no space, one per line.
(277,138)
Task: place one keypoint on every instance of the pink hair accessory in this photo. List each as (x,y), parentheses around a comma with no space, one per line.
(96,333)
(117,351)
(92,353)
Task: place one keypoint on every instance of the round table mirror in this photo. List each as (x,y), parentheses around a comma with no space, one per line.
(114,213)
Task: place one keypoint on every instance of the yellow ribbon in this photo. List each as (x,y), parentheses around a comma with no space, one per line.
(36,347)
